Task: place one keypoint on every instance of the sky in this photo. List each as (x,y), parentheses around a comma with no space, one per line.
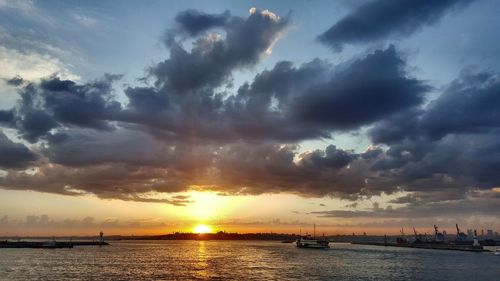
(150,117)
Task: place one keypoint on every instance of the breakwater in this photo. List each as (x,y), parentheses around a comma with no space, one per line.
(49,244)
(435,246)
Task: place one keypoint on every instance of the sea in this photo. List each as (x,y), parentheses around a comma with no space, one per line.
(244,260)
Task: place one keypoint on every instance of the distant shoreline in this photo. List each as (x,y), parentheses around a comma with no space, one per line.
(224,236)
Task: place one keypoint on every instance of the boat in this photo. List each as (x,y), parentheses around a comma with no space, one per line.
(497,252)
(312,242)
(309,242)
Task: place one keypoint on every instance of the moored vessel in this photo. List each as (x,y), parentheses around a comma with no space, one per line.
(312,242)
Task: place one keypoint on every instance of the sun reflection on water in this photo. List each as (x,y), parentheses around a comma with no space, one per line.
(202,264)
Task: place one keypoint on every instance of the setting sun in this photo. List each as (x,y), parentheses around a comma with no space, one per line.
(202,229)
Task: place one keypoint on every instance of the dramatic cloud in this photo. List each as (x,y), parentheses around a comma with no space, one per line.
(450,145)
(271,168)
(455,161)
(14,155)
(194,22)
(54,102)
(468,105)
(344,102)
(117,181)
(213,57)
(6,117)
(165,142)
(111,166)
(286,103)
(382,18)
(186,128)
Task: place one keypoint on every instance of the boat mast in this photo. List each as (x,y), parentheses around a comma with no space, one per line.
(314,233)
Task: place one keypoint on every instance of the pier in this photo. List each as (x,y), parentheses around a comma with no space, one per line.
(44,244)
(52,244)
(433,246)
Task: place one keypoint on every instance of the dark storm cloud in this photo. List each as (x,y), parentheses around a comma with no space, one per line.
(112,167)
(90,147)
(273,168)
(108,181)
(286,103)
(31,119)
(86,106)
(467,106)
(34,124)
(84,147)
(438,170)
(382,18)
(396,128)
(345,102)
(6,117)
(456,161)
(194,22)
(54,102)
(330,158)
(290,103)
(14,155)
(184,102)
(213,57)
(441,171)
(122,164)
(165,142)
(262,108)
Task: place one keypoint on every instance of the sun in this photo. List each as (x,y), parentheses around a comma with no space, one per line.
(200,229)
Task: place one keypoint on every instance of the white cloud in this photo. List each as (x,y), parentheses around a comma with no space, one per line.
(31,66)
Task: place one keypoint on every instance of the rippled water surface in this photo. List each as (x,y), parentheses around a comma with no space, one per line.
(243,260)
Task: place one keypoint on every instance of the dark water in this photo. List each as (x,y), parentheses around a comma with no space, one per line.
(243,260)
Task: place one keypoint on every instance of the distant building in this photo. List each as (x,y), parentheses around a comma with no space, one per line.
(444,232)
(489,233)
(482,232)
(470,232)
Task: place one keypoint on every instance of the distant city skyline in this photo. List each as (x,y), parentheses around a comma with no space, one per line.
(143,118)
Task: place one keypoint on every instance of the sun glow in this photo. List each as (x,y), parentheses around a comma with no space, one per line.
(201,229)
(206,206)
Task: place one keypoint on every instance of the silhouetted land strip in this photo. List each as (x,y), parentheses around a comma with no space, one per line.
(45,244)
(282,237)
(222,236)
(434,246)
